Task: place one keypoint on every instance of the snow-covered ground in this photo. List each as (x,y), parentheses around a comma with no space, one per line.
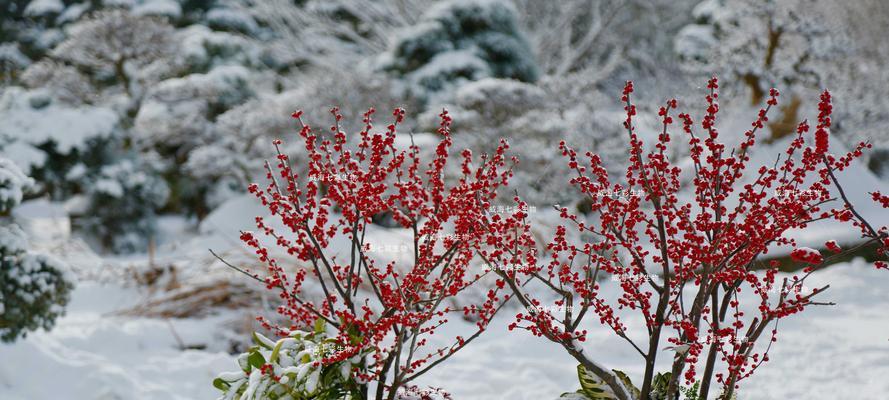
(828,352)
(93,355)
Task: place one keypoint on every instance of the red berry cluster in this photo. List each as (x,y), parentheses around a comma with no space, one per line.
(683,248)
(388,308)
(683,242)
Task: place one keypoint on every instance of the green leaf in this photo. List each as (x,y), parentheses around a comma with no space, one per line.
(275,351)
(263,341)
(628,383)
(255,359)
(319,325)
(578,395)
(592,386)
(659,385)
(221,384)
(691,392)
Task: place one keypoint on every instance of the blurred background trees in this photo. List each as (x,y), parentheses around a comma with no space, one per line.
(164,105)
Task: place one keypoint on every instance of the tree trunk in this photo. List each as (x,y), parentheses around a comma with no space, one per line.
(653,343)
(121,74)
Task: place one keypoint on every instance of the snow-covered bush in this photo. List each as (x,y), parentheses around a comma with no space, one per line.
(201,49)
(177,120)
(760,44)
(236,143)
(498,100)
(213,174)
(458,41)
(331,32)
(802,46)
(294,367)
(490,109)
(582,46)
(13,185)
(170,9)
(224,162)
(177,113)
(65,82)
(12,62)
(118,48)
(228,19)
(123,200)
(58,143)
(44,8)
(34,288)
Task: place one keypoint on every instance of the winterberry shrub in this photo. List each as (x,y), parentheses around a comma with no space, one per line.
(387,308)
(684,240)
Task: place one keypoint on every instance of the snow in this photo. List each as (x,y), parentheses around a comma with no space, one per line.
(200,46)
(167,8)
(13,184)
(460,66)
(119,3)
(91,355)
(231,19)
(43,220)
(223,225)
(39,8)
(73,12)
(693,41)
(709,10)
(233,215)
(12,239)
(11,54)
(807,253)
(520,95)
